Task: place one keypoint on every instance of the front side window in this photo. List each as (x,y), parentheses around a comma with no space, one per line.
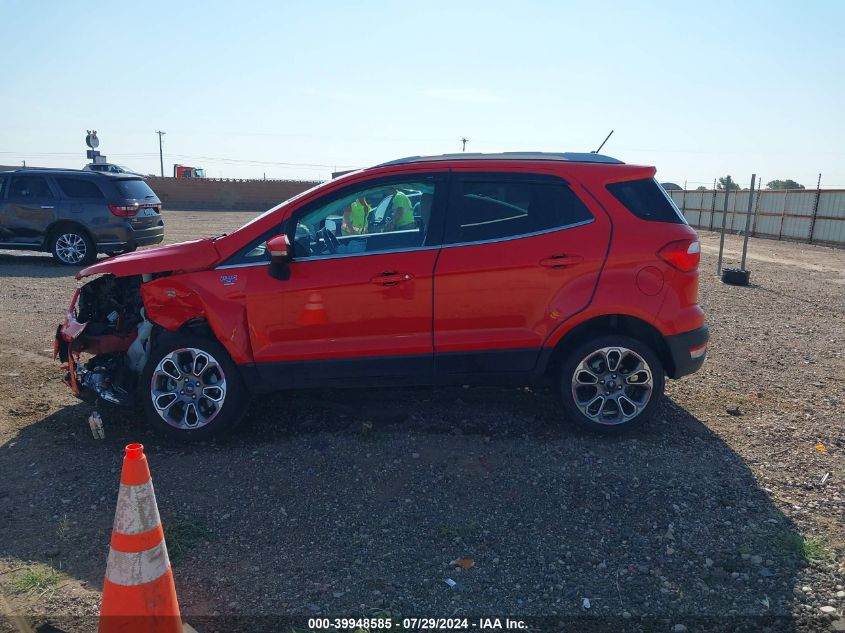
(371,219)
(488,207)
(29,187)
(79,188)
(368,220)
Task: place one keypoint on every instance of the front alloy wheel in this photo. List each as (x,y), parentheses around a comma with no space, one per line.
(611,383)
(195,390)
(188,388)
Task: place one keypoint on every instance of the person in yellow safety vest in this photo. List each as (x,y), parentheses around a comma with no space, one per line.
(403,213)
(355,217)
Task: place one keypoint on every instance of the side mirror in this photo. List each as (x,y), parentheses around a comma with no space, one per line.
(279,249)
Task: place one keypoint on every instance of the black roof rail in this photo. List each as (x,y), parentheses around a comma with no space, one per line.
(574,157)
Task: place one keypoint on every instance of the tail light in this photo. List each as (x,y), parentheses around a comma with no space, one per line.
(124,211)
(682,254)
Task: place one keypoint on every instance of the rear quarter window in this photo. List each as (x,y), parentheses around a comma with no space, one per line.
(79,188)
(647,200)
(135,189)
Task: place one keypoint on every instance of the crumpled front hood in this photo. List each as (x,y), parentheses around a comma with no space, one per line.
(184,256)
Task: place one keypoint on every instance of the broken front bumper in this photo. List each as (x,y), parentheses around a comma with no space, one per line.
(71,341)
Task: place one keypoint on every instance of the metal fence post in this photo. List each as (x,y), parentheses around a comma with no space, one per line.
(713,205)
(747,222)
(724,217)
(783,214)
(815,208)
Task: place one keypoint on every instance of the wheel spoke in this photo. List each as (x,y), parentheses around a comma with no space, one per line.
(628,408)
(200,363)
(585,377)
(164,400)
(170,368)
(613,357)
(638,377)
(213,393)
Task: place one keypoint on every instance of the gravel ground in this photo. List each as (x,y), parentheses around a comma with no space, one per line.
(718,516)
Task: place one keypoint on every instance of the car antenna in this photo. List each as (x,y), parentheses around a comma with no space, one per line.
(602,143)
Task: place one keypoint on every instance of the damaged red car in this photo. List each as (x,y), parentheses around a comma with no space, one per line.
(575,269)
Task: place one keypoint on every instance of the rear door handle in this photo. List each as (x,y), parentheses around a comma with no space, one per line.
(561,261)
(391,278)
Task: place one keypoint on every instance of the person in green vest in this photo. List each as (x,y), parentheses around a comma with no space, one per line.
(355,217)
(401,212)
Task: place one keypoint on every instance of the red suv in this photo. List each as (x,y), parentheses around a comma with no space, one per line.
(456,269)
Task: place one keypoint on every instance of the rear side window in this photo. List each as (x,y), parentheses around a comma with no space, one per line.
(29,187)
(490,208)
(647,200)
(79,188)
(135,189)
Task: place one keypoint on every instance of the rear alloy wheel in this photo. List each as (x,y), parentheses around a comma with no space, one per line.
(194,389)
(611,383)
(72,247)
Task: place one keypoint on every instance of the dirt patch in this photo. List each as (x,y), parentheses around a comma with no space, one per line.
(341,503)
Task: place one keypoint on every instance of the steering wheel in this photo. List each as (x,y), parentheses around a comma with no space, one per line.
(329,239)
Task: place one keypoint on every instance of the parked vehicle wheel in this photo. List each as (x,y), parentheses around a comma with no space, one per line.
(193,389)
(611,383)
(72,246)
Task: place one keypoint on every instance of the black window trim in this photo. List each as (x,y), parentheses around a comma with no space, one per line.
(287,226)
(522,178)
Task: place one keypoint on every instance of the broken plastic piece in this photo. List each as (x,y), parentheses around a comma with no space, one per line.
(453,584)
(96,424)
(465,563)
(586,603)
(825,477)
(821,448)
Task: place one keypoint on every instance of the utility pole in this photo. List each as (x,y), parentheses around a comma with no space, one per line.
(464,142)
(160,153)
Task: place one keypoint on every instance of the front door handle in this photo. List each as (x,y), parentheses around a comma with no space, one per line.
(391,278)
(561,261)
(46,206)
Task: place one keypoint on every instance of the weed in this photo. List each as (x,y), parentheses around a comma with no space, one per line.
(63,528)
(37,579)
(182,534)
(806,548)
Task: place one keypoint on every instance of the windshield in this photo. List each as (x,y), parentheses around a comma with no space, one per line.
(279,206)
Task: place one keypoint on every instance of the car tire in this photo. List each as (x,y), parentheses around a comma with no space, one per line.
(191,389)
(611,383)
(72,246)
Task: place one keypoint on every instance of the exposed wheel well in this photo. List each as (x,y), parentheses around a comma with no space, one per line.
(198,326)
(612,324)
(56,226)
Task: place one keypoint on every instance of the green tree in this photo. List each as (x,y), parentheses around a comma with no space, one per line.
(701,188)
(726,182)
(784,184)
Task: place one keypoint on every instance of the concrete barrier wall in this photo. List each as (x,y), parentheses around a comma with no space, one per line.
(223,194)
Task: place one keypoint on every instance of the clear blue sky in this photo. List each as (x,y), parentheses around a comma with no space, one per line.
(697,89)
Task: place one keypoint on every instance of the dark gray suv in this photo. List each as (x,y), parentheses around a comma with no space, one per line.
(76,214)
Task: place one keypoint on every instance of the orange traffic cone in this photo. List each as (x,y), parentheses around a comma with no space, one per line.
(138,592)
(314,312)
